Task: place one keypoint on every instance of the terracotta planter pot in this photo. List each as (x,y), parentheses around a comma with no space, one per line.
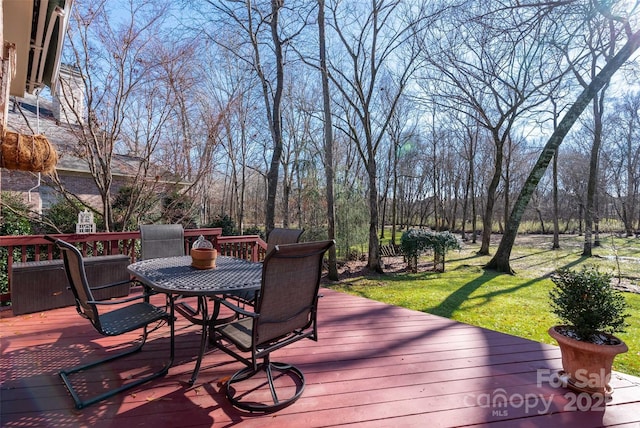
(202,258)
(587,366)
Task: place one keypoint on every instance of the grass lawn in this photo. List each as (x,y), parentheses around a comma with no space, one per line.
(514,304)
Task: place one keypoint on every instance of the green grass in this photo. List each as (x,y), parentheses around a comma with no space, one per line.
(514,304)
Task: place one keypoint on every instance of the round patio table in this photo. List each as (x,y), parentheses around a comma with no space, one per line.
(175,277)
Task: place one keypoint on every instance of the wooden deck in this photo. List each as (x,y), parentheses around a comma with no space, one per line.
(375,365)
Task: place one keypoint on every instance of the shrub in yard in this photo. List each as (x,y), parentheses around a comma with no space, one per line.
(255,230)
(414,242)
(14,221)
(226,223)
(64,215)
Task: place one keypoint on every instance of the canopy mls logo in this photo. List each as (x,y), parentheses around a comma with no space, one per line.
(499,402)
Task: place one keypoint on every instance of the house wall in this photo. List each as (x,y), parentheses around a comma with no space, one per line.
(20,182)
(44,195)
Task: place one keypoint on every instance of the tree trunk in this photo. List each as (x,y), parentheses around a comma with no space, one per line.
(629,203)
(107,212)
(374,261)
(592,184)
(556,226)
(276,125)
(465,205)
(507,183)
(500,260)
(580,219)
(541,219)
(328,145)
(394,203)
(487,218)
(596,220)
(469,188)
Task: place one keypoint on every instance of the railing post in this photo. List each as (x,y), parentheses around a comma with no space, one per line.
(9,264)
(254,252)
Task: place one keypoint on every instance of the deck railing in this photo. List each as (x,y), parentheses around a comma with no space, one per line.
(36,247)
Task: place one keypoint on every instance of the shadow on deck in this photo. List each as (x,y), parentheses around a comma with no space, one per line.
(374,365)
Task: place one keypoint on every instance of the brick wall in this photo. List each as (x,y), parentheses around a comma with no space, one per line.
(78,184)
(21,182)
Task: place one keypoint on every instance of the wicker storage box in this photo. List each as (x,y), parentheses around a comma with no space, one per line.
(42,285)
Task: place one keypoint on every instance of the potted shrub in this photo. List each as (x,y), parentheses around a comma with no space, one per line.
(591,311)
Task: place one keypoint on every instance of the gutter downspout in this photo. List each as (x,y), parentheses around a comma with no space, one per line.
(37,132)
(35,187)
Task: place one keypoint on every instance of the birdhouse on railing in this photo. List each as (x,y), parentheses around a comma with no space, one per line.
(85,222)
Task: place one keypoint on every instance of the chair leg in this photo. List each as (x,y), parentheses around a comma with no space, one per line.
(64,374)
(241,401)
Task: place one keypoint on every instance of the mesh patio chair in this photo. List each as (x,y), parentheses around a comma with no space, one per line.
(113,323)
(285,313)
(161,240)
(277,236)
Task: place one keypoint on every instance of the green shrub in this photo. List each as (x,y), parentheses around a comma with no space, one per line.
(227,224)
(314,233)
(587,302)
(64,215)
(352,219)
(416,241)
(15,215)
(14,221)
(255,230)
(130,209)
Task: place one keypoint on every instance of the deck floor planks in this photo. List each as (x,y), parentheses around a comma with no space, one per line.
(374,365)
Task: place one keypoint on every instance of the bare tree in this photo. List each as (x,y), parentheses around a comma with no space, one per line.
(229,89)
(266,36)
(484,66)
(328,140)
(470,136)
(378,54)
(600,46)
(500,260)
(623,158)
(117,65)
(297,130)
(554,177)
(401,137)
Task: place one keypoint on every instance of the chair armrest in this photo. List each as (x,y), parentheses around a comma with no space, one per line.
(235,308)
(116,302)
(113,284)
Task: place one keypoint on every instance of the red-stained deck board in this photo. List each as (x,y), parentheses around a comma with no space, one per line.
(374,365)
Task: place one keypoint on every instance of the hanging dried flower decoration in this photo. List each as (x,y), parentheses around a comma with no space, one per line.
(27,152)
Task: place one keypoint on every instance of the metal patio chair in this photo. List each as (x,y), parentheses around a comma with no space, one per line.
(277,236)
(161,240)
(285,313)
(113,323)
